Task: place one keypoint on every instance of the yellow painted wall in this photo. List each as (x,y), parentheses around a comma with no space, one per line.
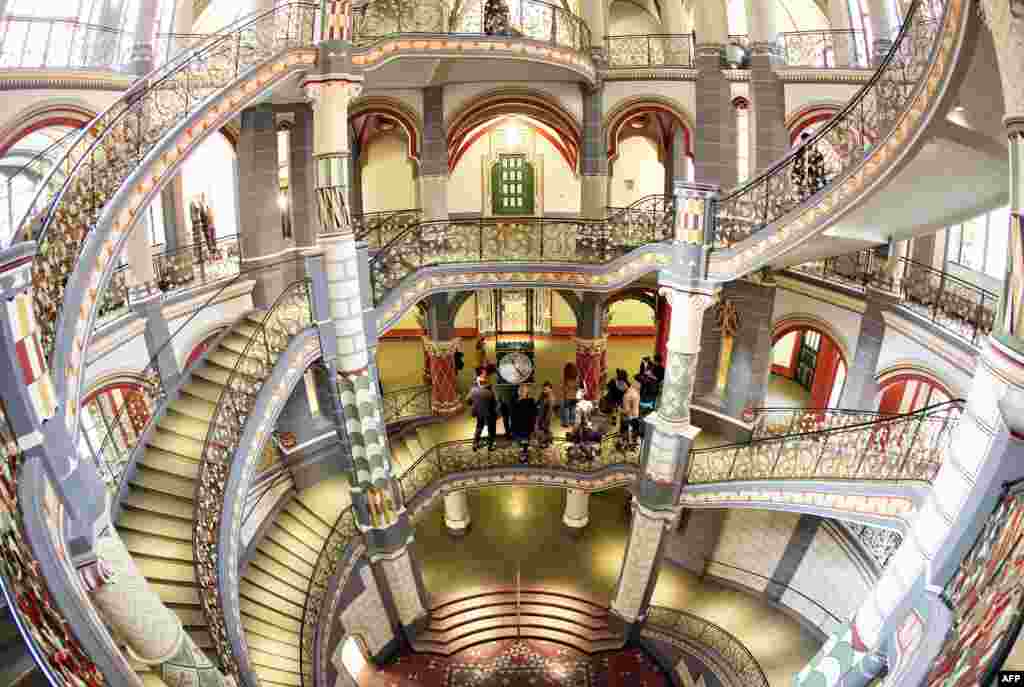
(782,351)
(629,19)
(388,182)
(559,184)
(631,314)
(561,314)
(637,165)
(466,317)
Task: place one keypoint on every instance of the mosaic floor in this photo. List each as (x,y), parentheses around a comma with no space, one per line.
(514,663)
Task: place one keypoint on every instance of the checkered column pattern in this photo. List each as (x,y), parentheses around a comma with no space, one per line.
(590,357)
(444,394)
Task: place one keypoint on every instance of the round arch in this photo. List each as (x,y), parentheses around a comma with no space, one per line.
(41,116)
(646,296)
(810,115)
(806,321)
(817,364)
(495,105)
(667,113)
(366,113)
(907,387)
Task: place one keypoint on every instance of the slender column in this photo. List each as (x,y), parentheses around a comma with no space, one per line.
(594,165)
(861,390)
(377,497)
(139,257)
(845,47)
(882,26)
(1011,325)
(595,15)
(894,266)
(303,177)
(145,34)
(456,512)
(434,175)
(157,334)
(172,199)
(749,366)
(356,194)
(591,345)
(577,510)
(260,241)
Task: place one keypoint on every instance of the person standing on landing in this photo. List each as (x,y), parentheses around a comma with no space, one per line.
(485,410)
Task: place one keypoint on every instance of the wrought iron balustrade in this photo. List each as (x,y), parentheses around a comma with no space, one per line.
(410,402)
(773,422)
(824,49)
(530,19)
(956,305)
(379,228)
(512,240)
(437,463)
(843,142)
(47,634)
(62,43)
(289,315)
(103,155)
(900,447)
(668,623)
(878,542)
(650,50)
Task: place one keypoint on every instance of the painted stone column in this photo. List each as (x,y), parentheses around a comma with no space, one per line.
(444,392)
(577,510)
(260,241)
(771,139)
(594,163)
(456,512)
(590,357)
(668,432)
(342,303)
(434,165)
(750,363)
(714,154)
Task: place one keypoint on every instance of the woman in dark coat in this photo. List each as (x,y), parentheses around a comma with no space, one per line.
(545,408)
(524,419)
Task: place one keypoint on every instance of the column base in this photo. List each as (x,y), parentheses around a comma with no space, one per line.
(457,528)
(446,409)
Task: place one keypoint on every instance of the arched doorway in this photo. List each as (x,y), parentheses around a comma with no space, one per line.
(649,147)
(812,364)
(908,390)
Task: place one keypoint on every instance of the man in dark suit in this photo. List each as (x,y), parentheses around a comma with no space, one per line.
(485,410)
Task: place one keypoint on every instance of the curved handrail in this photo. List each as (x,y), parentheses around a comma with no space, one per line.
(436,463)
(407,402)
(850,135)
(705,633)
(289,314)
(526,239)
(769,421)
(117,140)
(378,228)
(825,49)
(901,447)
(530,19)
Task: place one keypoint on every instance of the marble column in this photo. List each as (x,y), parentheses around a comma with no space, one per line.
(434,163)
(594,162)
(260,241)
(456,512)
(444,393)
(591,345)
(342,305)
(577,510)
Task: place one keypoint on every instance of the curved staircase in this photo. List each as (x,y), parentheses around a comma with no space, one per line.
(272,589)
(156,518)
(464,621)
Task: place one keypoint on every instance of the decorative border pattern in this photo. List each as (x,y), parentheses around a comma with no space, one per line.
(899,508)
(77,80)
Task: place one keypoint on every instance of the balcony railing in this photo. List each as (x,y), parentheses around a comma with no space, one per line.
(824,49)
(773,422)
(956,305)
(62,43)
(186,267)
(650,50)
(379,228)
(530,19)
(900,447)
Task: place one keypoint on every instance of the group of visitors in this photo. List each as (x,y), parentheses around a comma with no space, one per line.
(527,418)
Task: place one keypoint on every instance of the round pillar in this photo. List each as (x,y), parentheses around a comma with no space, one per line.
(577,510)
(140,260)
(456,513)
(444,394)
(590,356)
(895,265)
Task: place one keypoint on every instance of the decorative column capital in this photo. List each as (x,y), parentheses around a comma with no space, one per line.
(696,301)
(332,89)
(591,346)
(441,349)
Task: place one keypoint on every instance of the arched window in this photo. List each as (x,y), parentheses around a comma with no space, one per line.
(908,392)
(814,362)
(113,418)
(512,186)
(742,107)
(284,175)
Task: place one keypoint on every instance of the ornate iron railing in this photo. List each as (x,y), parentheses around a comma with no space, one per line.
(653,210)
(824,49)
(529,19)
(62,42)
(184,268)
(901,447)
(378,228)
(843,142)
(951,303)
(401,404)
(667,624)
(114,144)
(46,632)
(289,315)
(773,422)
(437,463)
(500,240)
(650,50)
(878,542)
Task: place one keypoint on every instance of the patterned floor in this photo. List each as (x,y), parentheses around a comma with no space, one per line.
(514,663)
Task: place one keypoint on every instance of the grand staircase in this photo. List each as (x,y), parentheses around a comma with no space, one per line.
(156,520)
(272,592)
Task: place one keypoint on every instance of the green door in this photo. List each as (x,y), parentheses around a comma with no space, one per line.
(512,186)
